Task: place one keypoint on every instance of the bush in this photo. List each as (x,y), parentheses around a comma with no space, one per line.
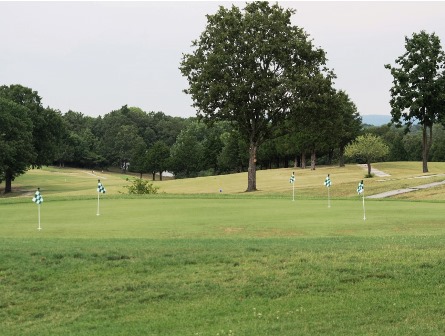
(142,187)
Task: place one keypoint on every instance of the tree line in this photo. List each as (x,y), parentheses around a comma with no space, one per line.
(152,142)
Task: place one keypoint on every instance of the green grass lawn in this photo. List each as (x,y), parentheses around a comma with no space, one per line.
(230,263)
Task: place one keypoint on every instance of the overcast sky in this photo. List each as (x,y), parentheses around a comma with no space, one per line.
(94,57)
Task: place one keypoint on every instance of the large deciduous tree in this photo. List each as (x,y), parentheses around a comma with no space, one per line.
(16,146)
(244,69)
(418,91)
(47,126)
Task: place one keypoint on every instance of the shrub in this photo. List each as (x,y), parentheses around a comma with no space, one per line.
(140,187)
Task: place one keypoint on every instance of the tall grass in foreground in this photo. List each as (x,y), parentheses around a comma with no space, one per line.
(293,286)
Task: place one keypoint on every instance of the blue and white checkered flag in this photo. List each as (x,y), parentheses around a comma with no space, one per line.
(38,199)
(100,187)
(360,188)
(327,181)
(292,178)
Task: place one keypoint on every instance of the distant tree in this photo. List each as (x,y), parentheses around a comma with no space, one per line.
(367,147)
(187,153)
(412,143)
(418,91)
(158,158)
(127,141)
(233,157)
(348,124)
(315,115)
(437,153)
(47,124)
(244,68)
(139,159)
(16,145)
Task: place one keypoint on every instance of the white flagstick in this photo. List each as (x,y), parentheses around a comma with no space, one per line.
(293,191)
(364,214)
(39,228)
(329,198)
(98,197)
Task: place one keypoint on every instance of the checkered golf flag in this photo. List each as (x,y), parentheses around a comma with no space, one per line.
(100,187)
(360,187)
(327,181)
(292,178)
(38,199)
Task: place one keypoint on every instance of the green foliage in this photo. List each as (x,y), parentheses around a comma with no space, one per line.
(368,147)
(46,127)
(158,158)
(246,68)
(142,187)
(16,148)
(419,86)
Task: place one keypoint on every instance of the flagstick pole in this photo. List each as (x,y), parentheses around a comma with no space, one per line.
(293,191)
(39,228)
(98,196)
(364,214)
(329,198)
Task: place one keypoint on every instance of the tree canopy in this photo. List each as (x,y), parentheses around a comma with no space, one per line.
(246,67)
(418,91)
(368,147)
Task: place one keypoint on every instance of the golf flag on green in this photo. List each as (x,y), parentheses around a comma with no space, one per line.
(361,190)
(38,199)
(327,181)
(292,181)
(360,187)
(100,187)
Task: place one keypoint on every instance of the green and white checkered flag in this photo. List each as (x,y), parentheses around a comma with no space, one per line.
(100,187)
(327,181)
(38,199)
(292,178)
(360,187)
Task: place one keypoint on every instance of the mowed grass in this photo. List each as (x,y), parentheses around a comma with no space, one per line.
(223,263)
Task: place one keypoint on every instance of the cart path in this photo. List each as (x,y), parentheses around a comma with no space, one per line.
(405,190)
(390,193)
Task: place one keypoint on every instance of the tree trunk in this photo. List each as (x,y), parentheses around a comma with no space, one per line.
(342,157)
(369,168)
(296,161)
(160,175)
(8,182)
(303,160)
(154,175)
(426,145)
(140,176)
(313,157)
(424,150)
(251,171)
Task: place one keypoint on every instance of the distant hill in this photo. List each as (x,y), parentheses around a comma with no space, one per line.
(376,119)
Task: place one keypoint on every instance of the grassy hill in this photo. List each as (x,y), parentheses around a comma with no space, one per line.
(66,182)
